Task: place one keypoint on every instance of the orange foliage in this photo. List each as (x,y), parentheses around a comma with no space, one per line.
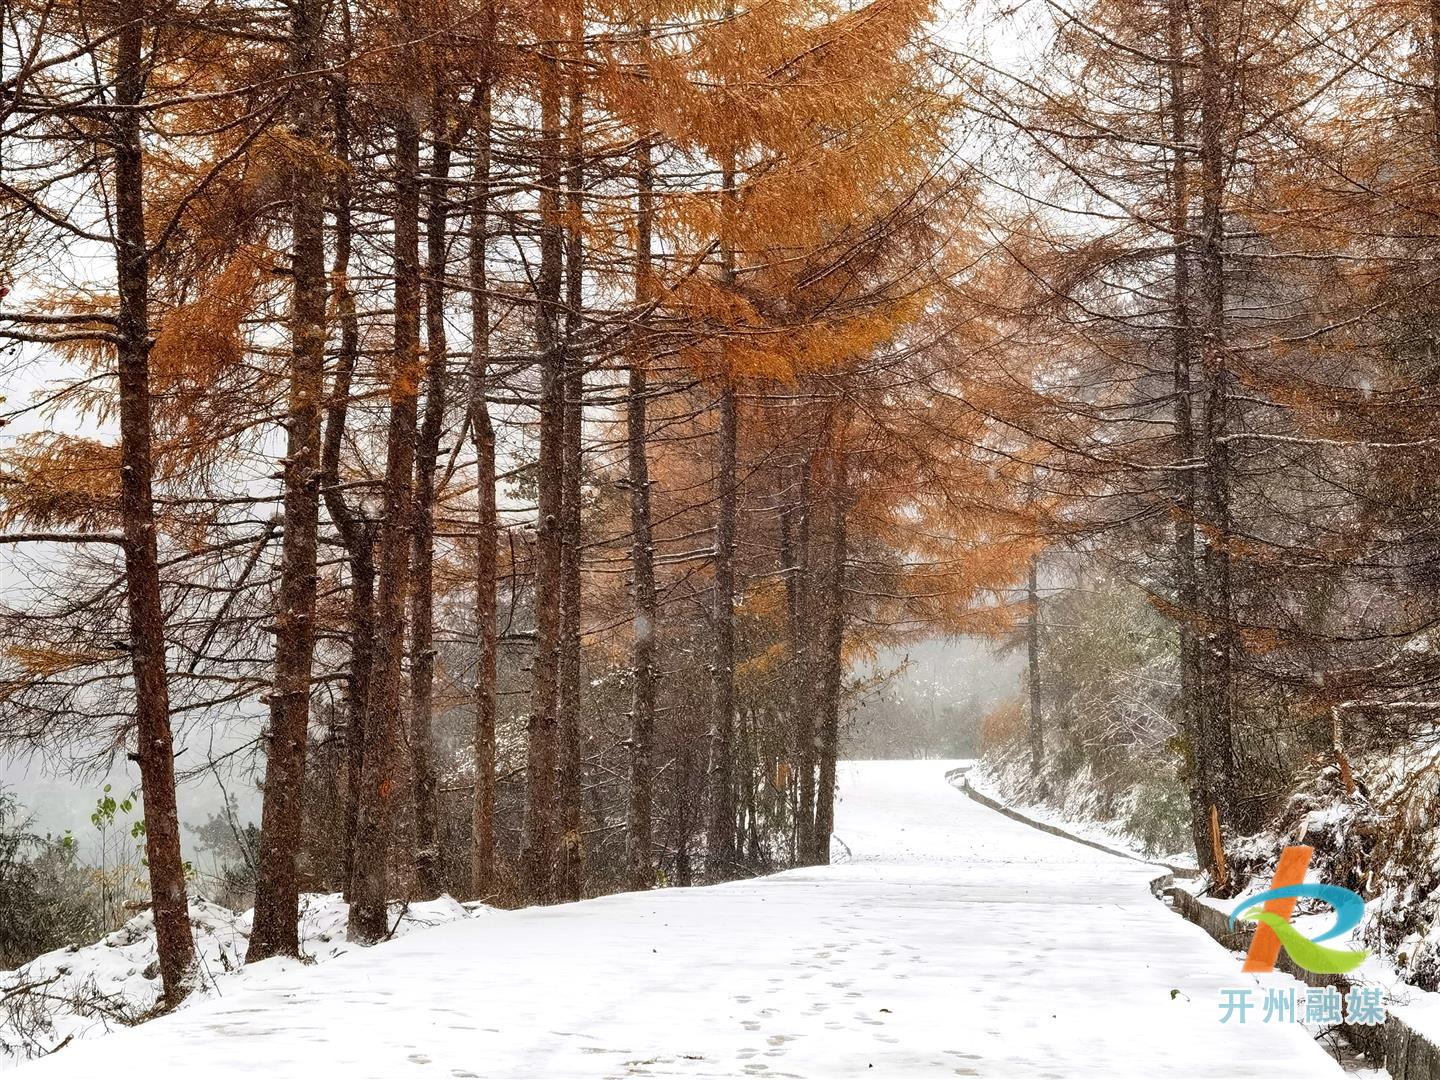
(52,480)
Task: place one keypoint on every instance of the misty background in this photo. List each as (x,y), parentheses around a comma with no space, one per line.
(916,701)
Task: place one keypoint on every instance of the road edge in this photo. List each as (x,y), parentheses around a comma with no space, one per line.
(959,779)
(1406,1054)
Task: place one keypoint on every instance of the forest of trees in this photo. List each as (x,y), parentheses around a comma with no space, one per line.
(518,416)
(1226,244)
(514,415)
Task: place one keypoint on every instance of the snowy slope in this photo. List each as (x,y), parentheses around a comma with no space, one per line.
(90,991)
(952,941)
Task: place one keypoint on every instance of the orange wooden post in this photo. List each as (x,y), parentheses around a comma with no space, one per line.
(1265,946)
(1217,847)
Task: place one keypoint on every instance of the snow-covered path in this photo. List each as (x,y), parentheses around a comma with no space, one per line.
(953,941)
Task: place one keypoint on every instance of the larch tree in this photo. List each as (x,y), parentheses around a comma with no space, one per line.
(378,791)
(277,901)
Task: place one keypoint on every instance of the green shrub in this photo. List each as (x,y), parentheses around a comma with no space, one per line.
(1160,815)
(48,899)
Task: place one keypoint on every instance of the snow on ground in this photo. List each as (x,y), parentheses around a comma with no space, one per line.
(83,993)
(950,941)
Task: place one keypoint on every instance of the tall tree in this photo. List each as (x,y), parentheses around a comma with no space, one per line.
(543,835)
(572,870)
(154,750)
(422,605)
(369,903)
(1214,749)
(482,429)
(277,896)
(357,532)
(1032,668)
(832,659)
(645,608)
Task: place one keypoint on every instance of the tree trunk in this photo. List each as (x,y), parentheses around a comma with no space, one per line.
(685,780)
(799,596)
(542,833)
(1186,595)
(572,867)
(154,749)
(1214,750)
(427,453)
(482,863)
(277,890)
(639,826)
(720,839)
(362,654)
(356,533)
(828,730)
(749,822)
(1032,668)
(370,887)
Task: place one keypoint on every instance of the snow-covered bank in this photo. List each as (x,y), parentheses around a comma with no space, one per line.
(82,993)
(950,940)
(1039,817)
(1075,807)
